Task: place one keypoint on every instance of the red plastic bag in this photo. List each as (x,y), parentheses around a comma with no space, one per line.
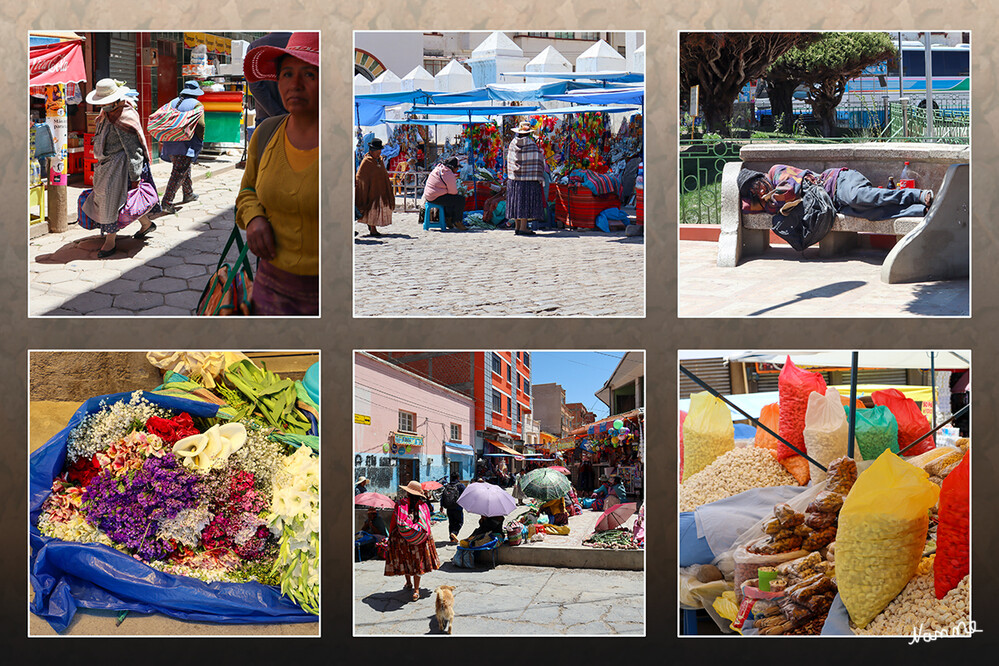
(795,385)
(911,422)
(951,563)
(683,417)
(795,464)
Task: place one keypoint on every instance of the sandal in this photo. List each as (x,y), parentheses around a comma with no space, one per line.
(142,233)
(416,594)
(407,586)
(104,254)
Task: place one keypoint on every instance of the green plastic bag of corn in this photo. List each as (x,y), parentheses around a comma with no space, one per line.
(882,533)
(877,431)
(707,432)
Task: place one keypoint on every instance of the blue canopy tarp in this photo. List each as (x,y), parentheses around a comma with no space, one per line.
(475,120)
(369,109)
(442,110)
(609,108)
(67,575)
(602,96)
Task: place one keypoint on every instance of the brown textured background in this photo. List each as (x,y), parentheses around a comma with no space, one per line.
(337,334)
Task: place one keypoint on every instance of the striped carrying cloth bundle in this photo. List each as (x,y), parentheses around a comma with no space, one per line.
(168,124)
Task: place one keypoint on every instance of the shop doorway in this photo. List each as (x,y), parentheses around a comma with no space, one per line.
(455,470)
(409,470)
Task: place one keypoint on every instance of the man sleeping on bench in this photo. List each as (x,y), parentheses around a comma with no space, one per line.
(851,193)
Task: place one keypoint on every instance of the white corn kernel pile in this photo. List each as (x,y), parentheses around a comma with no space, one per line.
(917,606)
(731,473)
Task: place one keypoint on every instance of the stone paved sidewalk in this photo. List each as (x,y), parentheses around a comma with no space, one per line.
(781,284)
(493,273)
(161,275)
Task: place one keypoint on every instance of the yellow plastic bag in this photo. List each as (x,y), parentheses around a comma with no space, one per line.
(707,433)
(882,533)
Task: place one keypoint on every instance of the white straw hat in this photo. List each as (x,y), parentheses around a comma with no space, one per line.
(105,92)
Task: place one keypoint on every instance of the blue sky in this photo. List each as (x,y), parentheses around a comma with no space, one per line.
(581,374)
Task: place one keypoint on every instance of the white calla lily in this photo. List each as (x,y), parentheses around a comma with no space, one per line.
(204,450)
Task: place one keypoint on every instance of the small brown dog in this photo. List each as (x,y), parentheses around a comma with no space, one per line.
(445,607)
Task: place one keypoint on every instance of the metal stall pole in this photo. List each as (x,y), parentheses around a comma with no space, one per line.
(953,416)
(933,387)
(853,405)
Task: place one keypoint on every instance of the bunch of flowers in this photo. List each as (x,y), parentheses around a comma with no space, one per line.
(294,519)
(128,506)
(253,515)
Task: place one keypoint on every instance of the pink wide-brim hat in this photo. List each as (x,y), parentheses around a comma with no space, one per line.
(261,62)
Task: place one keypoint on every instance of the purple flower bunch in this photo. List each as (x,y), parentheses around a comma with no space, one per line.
(236,525)
(128,507)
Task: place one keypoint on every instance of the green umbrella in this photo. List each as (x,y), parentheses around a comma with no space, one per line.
(545,484)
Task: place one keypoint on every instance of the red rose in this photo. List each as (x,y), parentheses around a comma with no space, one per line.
(162,428)
(184,426)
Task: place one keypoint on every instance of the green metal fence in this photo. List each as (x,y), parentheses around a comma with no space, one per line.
(910,122)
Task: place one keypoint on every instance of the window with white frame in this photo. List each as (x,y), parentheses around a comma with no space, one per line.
(407,421)
(527,359)
(455,432)
(497,402)
(497,364)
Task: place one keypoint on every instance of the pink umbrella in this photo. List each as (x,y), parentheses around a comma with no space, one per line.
(430,485)
(376,500)
(615,516)
(559,468)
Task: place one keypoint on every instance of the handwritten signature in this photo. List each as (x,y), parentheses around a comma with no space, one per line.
(960,629)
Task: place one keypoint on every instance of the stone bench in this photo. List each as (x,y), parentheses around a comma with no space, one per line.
(934,247)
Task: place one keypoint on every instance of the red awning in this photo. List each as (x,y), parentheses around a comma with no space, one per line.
(57,63)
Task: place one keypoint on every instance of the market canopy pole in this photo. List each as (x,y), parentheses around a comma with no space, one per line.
(959,413)
(853,404)
(755,421)
(933,386)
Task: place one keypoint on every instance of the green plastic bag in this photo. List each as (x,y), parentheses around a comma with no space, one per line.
(876,431)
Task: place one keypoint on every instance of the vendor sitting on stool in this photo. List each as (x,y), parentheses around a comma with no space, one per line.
(442,188)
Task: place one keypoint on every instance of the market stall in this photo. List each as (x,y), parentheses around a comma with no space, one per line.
(613,446)
(56,68)
(194,499)
(839,518)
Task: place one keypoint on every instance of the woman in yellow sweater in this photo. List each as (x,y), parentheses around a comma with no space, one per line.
(278,201)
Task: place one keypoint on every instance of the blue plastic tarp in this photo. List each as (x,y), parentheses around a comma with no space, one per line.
(602,96)
(66,576)
(619,77)
(448,110)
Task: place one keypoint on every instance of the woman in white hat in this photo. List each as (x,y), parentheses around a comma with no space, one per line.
(411,548)
(122,162)
(525,173)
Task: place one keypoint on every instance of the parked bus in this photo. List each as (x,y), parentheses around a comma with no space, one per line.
(951,84)
(951,78)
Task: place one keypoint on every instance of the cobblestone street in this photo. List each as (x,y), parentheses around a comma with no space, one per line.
(503,601)
(410,272)
(161,275)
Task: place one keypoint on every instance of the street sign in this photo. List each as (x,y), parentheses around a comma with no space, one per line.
(362,419)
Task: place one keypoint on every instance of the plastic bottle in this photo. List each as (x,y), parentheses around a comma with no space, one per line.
(906,179)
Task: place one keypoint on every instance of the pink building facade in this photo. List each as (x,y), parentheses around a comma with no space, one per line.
(407,427)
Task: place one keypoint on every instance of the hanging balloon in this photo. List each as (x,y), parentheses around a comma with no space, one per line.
(385,447)
(614,440)
(625,431)
(618,424)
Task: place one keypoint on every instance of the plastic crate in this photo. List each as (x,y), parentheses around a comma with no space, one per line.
(74,162)
(88,146)
(578,207)
(88,172)
(640,206)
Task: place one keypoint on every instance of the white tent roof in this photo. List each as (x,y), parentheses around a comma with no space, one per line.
(889,358)
(418,79)
(497,44)
(454,78)
(640,59)
(387,81)
(361,85)
(601,57)
(549,60)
